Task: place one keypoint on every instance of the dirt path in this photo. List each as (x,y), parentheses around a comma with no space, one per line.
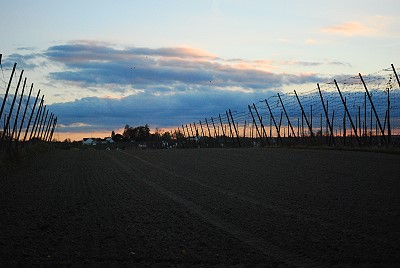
(229,207)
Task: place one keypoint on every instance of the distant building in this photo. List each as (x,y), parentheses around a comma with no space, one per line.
(109,140)
(88,141)
(95,141)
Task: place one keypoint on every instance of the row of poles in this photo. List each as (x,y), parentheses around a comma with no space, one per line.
(41,123)
(216,133)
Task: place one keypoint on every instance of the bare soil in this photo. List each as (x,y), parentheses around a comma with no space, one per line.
(202,207)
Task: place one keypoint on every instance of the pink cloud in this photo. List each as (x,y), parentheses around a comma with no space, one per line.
(350,28)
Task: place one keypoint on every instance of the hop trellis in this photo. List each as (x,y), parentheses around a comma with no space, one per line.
(24,117)
(363,109)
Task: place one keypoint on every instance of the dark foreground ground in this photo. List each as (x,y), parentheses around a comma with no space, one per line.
(205,208)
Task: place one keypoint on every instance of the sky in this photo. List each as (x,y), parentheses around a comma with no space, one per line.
(104,64)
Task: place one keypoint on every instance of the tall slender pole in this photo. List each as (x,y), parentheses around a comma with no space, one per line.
(326,115)
(270,126)
(11,110)
(215,130)
(52,122)
(373,107)
(397,78)
(365,114)
(348,113)
(43,124)
(344,125)
(304,114)
(280,123)
(327,111)
(255,124)
(262,124)
(311,116)
(197,133)
(230,127)
(32,113)
(47,129)
(298,127)
(40,120)
(26,108)
(202,131)
(287,117)
(244,132)
(273,119)
(208,128)
(8,89)
(54,127)
(223,131)
(37,118)
(18,110)
(236,130)
(251,133)
(321,128)
(370,133)
(16,116)
(384,121)
(209,132)
(388,117)
(359,121)
(333,118)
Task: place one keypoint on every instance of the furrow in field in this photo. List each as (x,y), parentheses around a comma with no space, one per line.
(269,247)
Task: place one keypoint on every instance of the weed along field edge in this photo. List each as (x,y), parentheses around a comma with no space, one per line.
(202,207)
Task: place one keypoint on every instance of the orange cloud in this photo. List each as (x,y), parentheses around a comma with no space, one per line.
(196,53)
(350,28)
(310,41)
(261,65)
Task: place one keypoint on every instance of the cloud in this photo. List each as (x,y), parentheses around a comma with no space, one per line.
(351,28)
(89,64)
(77,125)
(26,48)
(105,114)
(340,63)
(24,61)
(310,41)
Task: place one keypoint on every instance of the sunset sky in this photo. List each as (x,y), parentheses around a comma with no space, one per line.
(104,64)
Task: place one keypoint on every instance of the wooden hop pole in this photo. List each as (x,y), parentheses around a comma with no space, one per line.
(7,90)
(373,107)
(7,125)
(326,115)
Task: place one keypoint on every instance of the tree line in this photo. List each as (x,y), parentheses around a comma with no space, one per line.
(142,134)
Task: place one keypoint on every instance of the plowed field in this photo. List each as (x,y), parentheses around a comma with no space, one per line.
(202,207)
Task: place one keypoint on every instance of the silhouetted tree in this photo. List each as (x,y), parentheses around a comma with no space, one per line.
(140,133)
(166,136)
(118,138)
